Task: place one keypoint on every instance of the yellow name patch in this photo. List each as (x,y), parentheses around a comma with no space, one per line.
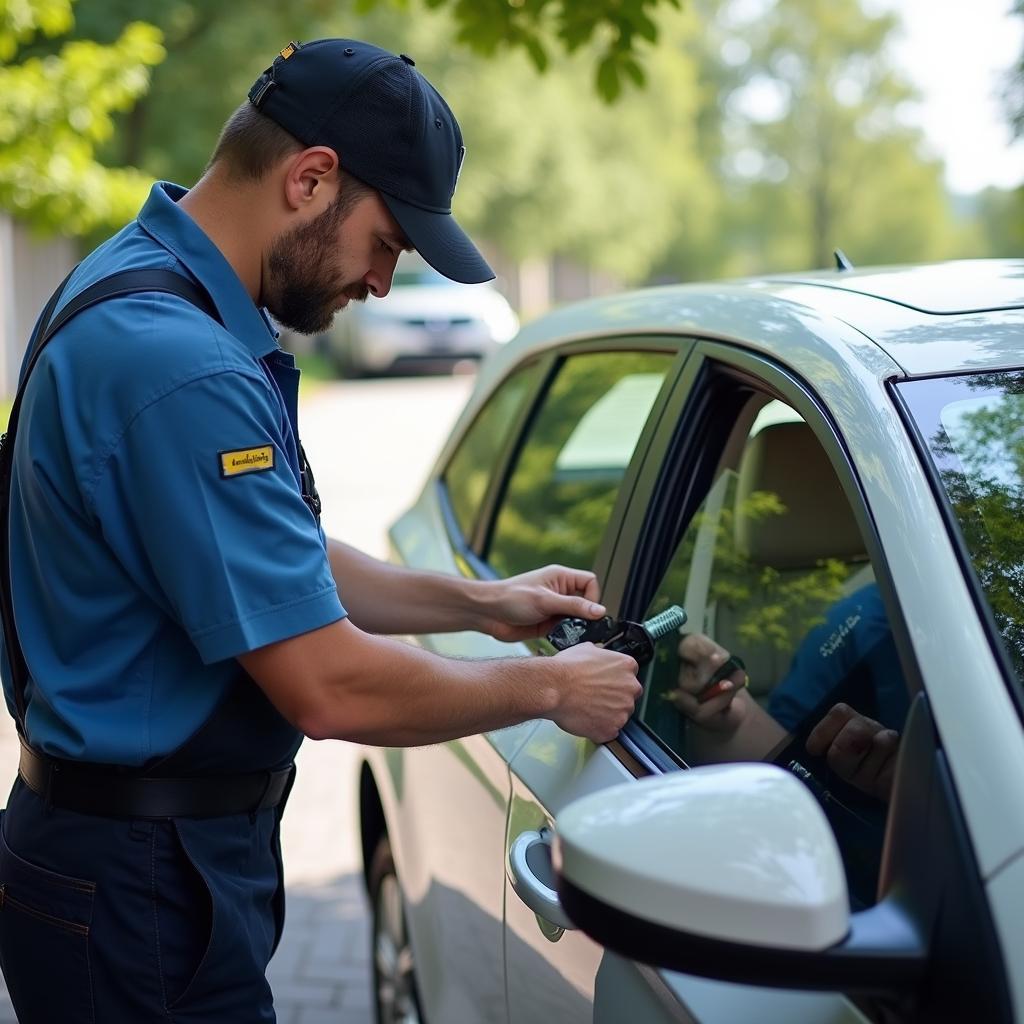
(247,460)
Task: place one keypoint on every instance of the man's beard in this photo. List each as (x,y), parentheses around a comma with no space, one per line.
(304,276)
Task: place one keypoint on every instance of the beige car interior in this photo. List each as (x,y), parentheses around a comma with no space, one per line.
(780,455)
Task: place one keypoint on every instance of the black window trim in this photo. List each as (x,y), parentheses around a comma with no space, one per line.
(759,373)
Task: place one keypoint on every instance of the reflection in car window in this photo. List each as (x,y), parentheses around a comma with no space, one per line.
(974,428)
(564,485)
(773,569)
(473,463)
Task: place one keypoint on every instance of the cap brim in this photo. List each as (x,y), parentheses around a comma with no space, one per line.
(440,241)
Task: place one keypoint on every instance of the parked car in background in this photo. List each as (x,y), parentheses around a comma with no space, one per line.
(425,321)
(827,471)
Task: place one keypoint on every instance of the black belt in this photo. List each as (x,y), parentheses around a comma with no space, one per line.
(76,787)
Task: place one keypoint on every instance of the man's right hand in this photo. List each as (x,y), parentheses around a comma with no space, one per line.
(598,692)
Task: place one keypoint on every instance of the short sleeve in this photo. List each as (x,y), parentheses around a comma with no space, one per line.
(853,628)
(200,502)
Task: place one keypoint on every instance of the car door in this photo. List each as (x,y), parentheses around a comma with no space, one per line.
(449,802)
(532,471)
(560,500)
(746,512)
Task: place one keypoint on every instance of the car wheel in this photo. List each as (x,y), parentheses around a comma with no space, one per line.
(394,974)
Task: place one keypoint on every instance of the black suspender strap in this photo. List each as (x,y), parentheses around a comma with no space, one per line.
(123,283)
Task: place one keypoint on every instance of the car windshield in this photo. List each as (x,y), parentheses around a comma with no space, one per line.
(973,426)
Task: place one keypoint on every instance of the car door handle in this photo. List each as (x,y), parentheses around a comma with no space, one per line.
(532,876)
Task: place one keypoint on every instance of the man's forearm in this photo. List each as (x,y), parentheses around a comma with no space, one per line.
(341,683)
(384,598)
(755,735)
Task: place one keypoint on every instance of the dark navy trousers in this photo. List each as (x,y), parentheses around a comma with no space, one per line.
(111,921)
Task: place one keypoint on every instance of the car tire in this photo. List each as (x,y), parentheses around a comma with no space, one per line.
(396,996)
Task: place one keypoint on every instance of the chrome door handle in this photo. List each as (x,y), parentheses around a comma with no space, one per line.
(531,874)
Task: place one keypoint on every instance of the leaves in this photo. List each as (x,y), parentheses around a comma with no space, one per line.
(613,27)
(55,110)
(20,20)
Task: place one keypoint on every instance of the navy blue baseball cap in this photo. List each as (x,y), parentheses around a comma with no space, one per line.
(390,128)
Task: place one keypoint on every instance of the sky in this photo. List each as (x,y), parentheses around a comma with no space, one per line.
(957,52)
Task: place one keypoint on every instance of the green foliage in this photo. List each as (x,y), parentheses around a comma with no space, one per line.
(768,608)
(982,469)
(1015,87)
(550,167)
(56,109)
(804,115)
(614,28)
(993,223)
(554,513)
(680,180)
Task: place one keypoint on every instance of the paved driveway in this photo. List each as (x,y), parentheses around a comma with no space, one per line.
(370,444)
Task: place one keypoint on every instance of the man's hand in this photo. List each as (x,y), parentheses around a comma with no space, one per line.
(598,694)
(701,657)
(858,749)
(533,603)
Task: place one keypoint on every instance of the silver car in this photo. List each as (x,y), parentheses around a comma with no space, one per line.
(827,472)
(425,320)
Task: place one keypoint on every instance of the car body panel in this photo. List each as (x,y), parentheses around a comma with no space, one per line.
(1006,897)
(452,803)
(979,723)
(957,286)
(551,771)
(831,350)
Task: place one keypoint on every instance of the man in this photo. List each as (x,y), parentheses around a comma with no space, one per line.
(178,608)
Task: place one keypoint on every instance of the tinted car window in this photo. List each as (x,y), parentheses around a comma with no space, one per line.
(974,429)
(474,461)
(773,568)
(566,479)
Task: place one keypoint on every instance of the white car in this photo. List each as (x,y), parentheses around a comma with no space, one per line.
(425,320)
(827,472)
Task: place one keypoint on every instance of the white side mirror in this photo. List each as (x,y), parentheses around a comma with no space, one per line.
(739,853)
(730,872)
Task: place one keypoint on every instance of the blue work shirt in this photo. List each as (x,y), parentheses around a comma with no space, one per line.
(855,633)
(157,528)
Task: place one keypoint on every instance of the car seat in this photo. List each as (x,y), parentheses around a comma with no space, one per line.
(764,617)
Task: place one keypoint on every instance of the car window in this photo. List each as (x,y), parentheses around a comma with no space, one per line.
(973,426)
(773,569)
(563,487)
(475,459)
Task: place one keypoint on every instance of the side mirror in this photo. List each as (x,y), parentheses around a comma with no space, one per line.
(730,872)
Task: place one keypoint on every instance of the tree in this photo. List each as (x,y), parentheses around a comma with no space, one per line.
(608,184)
(815,152)
(56,109)
(616,27)
(979,451)
(1015,87)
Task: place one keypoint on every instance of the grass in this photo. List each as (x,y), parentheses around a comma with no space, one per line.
(316,370)
(5,410)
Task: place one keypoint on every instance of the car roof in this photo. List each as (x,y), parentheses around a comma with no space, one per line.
(955,287)
(957,316)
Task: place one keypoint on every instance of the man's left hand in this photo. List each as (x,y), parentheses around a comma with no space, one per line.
(533,603)
(857,748)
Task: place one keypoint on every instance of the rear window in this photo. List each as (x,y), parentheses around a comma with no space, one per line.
(973,426)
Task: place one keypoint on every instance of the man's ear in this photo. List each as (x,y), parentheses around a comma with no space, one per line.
(311,177)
